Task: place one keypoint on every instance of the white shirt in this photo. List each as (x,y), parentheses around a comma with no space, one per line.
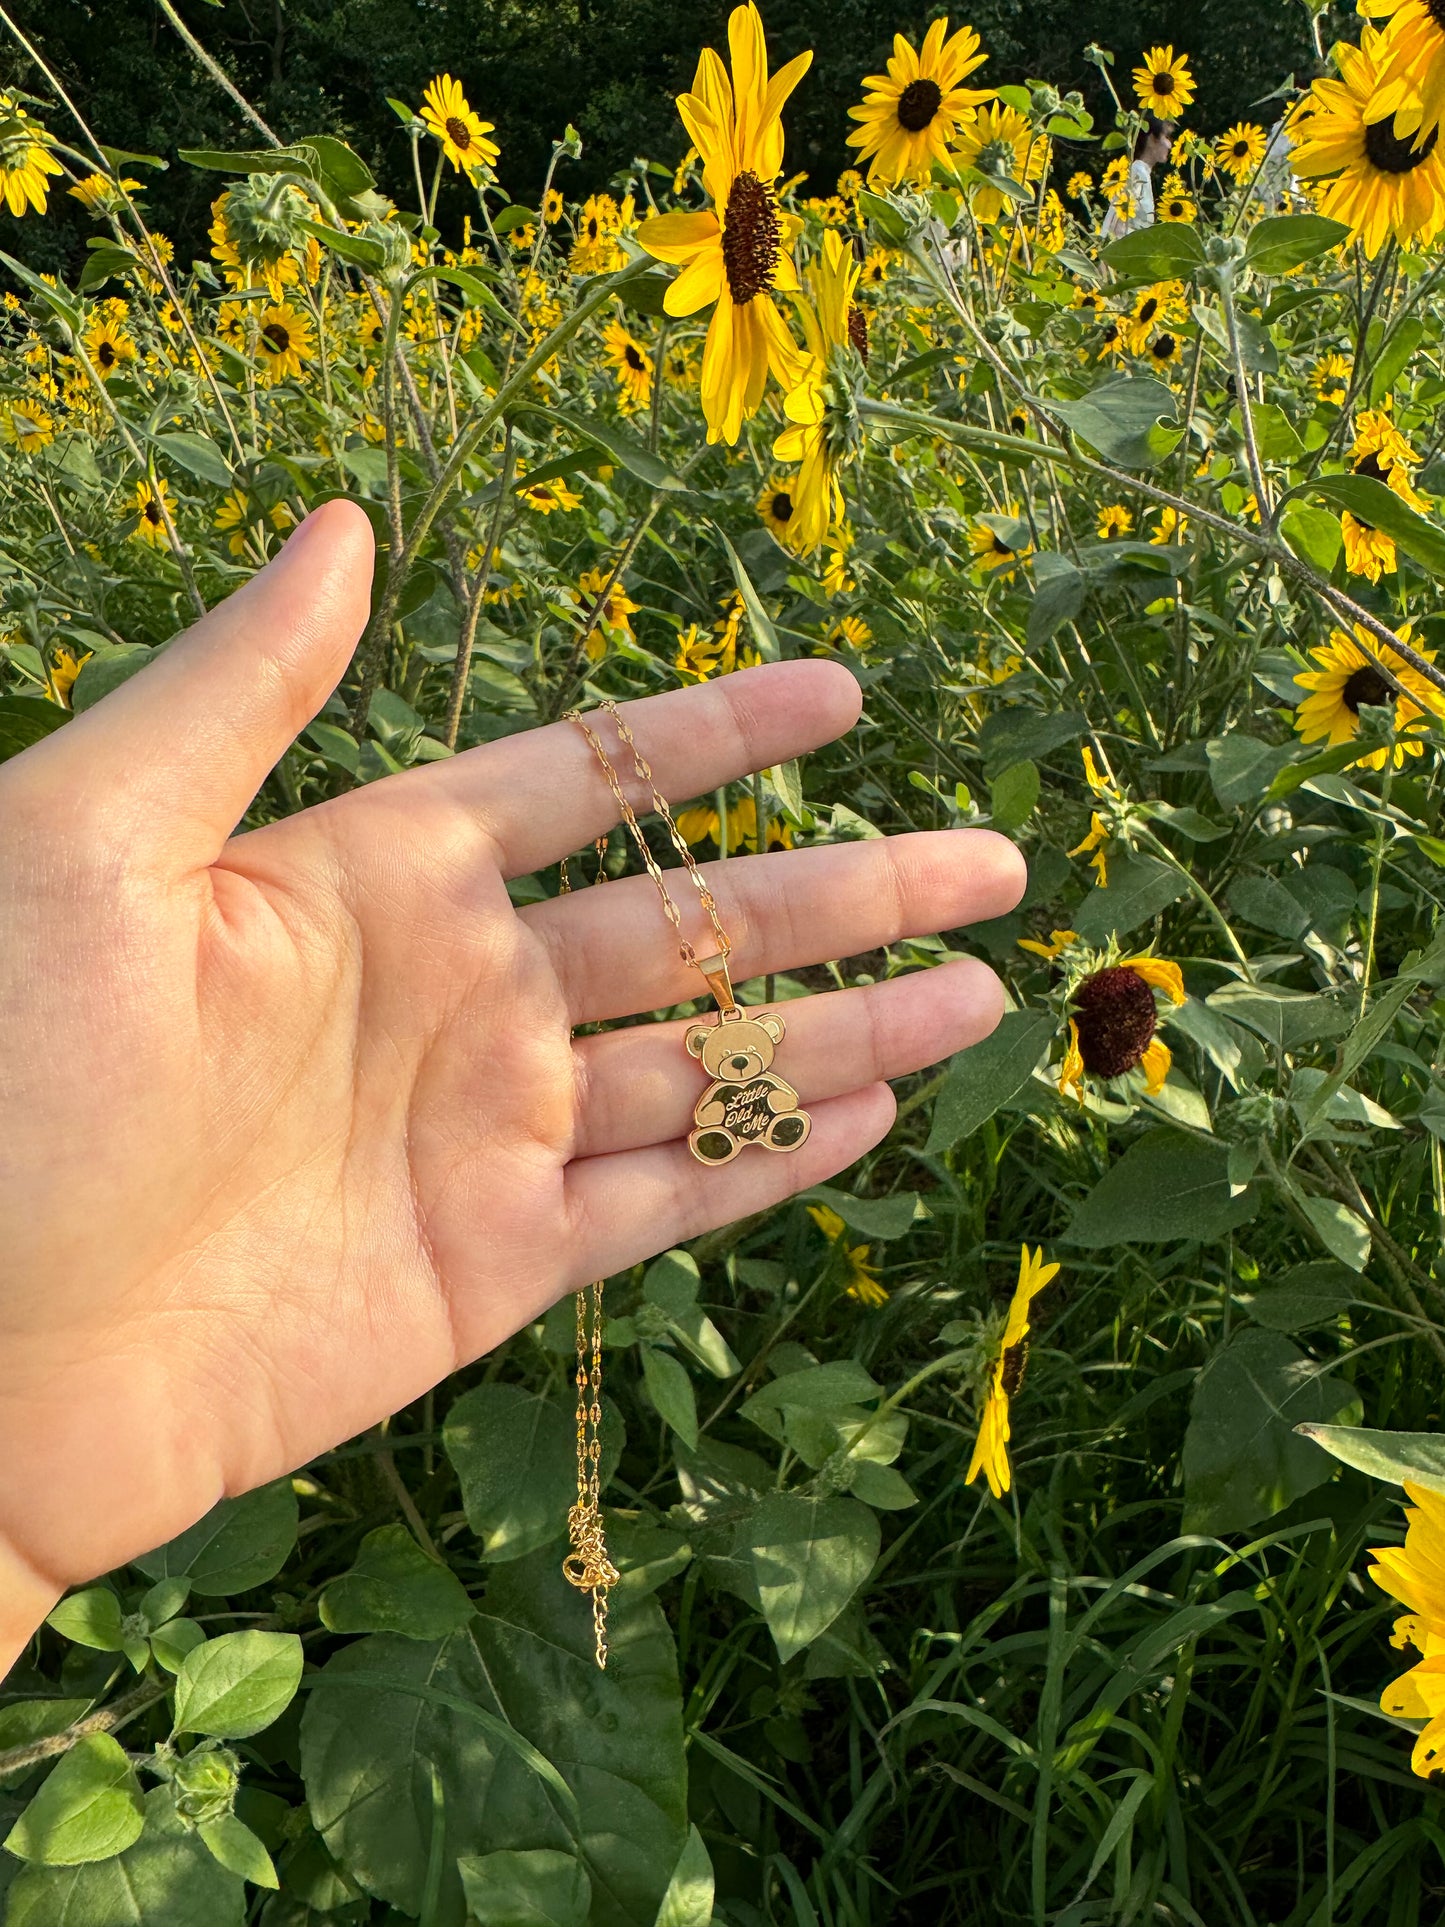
(1141,192)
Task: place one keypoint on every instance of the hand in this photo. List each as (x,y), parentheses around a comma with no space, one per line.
(292,1123)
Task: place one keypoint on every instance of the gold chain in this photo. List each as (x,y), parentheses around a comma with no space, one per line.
(588,1566)
(614,783)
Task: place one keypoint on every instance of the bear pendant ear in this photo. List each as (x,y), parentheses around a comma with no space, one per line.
(773,1025)
(696,1037)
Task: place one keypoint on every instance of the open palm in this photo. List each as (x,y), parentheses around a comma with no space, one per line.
(292,1123)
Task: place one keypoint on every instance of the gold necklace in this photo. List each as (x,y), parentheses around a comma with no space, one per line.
(745,1103)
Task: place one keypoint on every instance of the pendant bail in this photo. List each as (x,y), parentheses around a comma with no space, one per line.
(715,969)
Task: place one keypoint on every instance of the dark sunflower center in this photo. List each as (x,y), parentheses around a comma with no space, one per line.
(998,545)
(458,133)
(782,506)
(1372,466)
(751,232)
(1164,348)
(1240,150)
(858,331)
(1436,11)
(152,514)
(1163,85)
(593,228)
(1367,688)
(1149,309)
(918,103)
(632,355)
(1014,1361)
(277,337)
(1386,151)
(105,355)
(1114,1010)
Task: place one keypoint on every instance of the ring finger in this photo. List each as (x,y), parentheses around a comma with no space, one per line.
(638,1087)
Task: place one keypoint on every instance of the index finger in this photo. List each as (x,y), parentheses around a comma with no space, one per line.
(541,794)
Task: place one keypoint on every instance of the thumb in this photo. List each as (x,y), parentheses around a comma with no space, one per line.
(177,753)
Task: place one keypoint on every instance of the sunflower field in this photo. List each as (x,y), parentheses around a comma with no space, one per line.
(1013,1531)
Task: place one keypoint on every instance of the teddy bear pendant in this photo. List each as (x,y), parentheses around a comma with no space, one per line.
(746,1102)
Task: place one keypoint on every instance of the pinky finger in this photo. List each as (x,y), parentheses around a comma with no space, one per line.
(629,1205)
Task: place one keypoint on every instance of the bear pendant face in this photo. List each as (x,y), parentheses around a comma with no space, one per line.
(746,1102)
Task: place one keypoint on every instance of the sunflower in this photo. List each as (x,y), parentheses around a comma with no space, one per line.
(153,509)
(26,426)
(679,366)
(778,508)
(1058,942)
(702,823)
(698,653)
(999,140)
(1164,350)
(1381,452)
(1382,182)
(874,271)
(65,666)
(108,346)
(232,519)
(735,254)
(1241,148)
(1330,378)
(545,497)
(1005,1375)
(1114,519)
(1349,678)
(633,363)
(850,185)
(448,115)
(553,206)
(1412,64)
(1051,229)
(1115,1019)
(991,554)
(1159,306)
(595,251)
(910,114)
(616,612)
(1415,1575)
(25,159)
(1176,206)
(283,341)
(1163,84)
(849,632)
(1170,527)
(100,194)
(861,1280)
(1079,185)
(830,322)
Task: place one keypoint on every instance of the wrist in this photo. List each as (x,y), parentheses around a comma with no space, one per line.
(26,1596)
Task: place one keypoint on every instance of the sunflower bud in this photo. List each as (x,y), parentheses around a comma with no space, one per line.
(263,219)
(205,1783)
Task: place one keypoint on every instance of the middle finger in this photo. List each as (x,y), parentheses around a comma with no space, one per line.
(615,954)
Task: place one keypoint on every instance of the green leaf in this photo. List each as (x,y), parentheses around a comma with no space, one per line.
(89,1808)
(538,1888)
(1168,251)
(1014,796)
(513,217)
(1284,1018)
(1165,1186)
(107,669)
(337,745)
(672,1283)
(1241,768)
(670,1389)
(100,264)
(25,720)
(689,1897)
(163,1601)
(166,1879)
(355,248)
(1370,501)
(1242,1458)
(1342,1232)
(1059,589)
(816,1388)
(239,1544)
(884,218)
(1131,420)
(1286,241)
(22,1721)
(987,1075)
(121,157)
(809,1556)
(489,1708)
(1314,535)
(198,456)
(171,1643)
(395,1587)
(1139,888)
(883,1486)
(515,1455)
(253,160)
(57,298)
(873,1217)
(764,635)
(1394,356)
(90,1618)
(1396,1456)
(646,295)
(231,1842)
(1305,1296)
(1019,735)
(238,1684)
